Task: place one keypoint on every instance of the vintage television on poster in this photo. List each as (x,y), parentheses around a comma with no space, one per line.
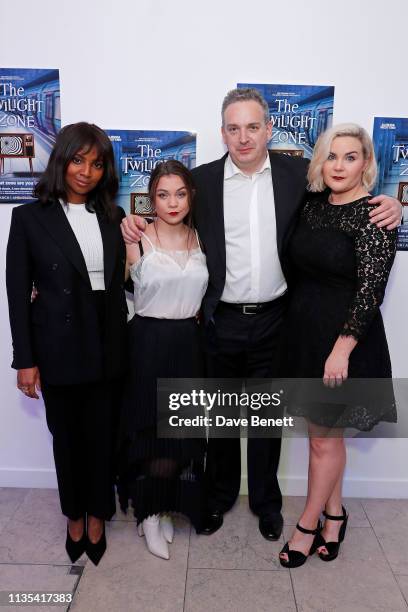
(299,113)
(390,136)
(30,118)
(137,152)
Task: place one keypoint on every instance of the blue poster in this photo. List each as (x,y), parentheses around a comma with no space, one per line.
(299,113)
(390,136)
(137,153)
(30,118)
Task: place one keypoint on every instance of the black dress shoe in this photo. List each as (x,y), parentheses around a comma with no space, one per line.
(96,551)
(211,523)
(75,548)
(271,526)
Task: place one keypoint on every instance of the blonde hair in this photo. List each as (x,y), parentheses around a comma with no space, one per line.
(322,150)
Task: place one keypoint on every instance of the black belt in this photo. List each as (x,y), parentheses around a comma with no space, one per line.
(250,309)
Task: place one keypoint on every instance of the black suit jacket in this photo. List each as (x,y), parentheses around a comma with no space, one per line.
(59,332)
(289,184)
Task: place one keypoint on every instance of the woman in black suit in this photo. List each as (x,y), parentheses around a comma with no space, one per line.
(70,340)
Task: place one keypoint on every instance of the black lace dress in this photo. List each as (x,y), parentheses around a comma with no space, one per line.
(341,266)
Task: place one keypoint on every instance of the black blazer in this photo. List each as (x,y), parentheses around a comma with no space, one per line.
(289,184)
(59,332)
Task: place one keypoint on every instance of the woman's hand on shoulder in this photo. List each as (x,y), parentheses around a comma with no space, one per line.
(28,381)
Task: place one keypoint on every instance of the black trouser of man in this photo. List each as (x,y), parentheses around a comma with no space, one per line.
(246,346)
(83,422)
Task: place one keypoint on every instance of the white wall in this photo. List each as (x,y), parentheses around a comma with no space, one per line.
(167,65)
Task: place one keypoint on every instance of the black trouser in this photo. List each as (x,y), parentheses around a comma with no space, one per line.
(83,422)
(246,346)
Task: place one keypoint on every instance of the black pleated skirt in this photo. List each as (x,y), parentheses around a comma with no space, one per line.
(159,475)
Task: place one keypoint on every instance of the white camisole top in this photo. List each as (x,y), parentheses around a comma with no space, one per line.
(169,284)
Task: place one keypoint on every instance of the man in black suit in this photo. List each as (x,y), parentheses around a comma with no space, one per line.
(243,219)
(245,208)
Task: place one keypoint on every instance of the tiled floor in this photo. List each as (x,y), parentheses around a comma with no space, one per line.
(233,570)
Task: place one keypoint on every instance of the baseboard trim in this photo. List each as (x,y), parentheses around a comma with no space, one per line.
(28,478)
(352,487)
(290,485)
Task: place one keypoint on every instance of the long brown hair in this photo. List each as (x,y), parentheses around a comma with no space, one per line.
(166,168)
(172,166)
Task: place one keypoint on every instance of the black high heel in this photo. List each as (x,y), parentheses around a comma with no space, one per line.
(297,558)
(96,551)
(73,548)
(334,547)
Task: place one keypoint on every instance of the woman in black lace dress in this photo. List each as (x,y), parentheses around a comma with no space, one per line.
(334,329)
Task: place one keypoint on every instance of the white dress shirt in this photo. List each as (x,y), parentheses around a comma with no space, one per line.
(253,270)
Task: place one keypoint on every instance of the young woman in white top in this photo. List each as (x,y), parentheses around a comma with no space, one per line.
(170,277)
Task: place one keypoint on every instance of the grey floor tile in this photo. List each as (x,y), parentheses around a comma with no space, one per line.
(359,580)
(3,523)
(210,590)
(403,585)
(293,507)
(36,532)
(10,500)
(237,545)
(30,578)
(389,519)
(229,570)
(130,578)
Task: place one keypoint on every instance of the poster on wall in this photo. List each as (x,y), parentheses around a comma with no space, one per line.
(390,136)
(30,118)
(137,153)
(299,113)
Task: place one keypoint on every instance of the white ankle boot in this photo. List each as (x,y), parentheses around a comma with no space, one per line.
(155,540)
(167,527)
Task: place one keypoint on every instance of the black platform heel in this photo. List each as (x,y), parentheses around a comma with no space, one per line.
(297,558)
(73,548)
(96,551)
(334,547)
